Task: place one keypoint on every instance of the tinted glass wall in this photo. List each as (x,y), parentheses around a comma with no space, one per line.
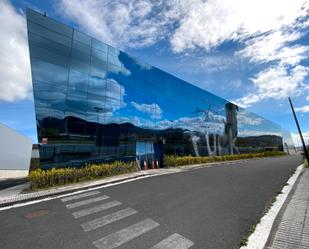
(94,102)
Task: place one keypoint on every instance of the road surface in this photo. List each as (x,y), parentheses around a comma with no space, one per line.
(203,208)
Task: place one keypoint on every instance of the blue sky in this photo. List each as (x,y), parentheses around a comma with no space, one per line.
(254,53)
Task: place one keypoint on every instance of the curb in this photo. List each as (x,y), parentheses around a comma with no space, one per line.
(278,219)
(34,196)
(258,239)
(39,195)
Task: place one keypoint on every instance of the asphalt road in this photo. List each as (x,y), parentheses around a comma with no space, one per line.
(202,208)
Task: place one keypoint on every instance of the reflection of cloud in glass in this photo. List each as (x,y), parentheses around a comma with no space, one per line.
(118,67)
(82,104)
(153,109)
(48,72)
(246,118)
(191,124)
(50,103)
(143,65)
(210,116)
(110,102)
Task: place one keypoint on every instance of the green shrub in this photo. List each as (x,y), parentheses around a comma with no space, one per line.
(59,176)
(174,161)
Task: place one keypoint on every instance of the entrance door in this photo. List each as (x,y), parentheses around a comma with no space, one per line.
(145,154)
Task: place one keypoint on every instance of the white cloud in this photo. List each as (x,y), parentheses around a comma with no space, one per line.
(307,98)
(153,109)
(273,46)
(207,24)
(276,82)
(296,138)
(198,24)
(122,23)
(304,108)
(187,24)
(14,56)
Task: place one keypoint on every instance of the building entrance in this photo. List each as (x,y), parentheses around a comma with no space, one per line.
(149,154)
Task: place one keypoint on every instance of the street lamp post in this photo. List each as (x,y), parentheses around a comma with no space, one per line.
(299,131)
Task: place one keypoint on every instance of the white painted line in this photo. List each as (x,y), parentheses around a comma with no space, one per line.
(108,219)
(175,241)
(17,205)
(258,239)
(86,202)
(75,197)
(96,209)
(124,235)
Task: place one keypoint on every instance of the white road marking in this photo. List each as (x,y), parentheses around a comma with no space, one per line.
(96,209)
(107,185)
(75,197)
(174,241)
(31,202)
(124,235)
(108,219)
(85,202)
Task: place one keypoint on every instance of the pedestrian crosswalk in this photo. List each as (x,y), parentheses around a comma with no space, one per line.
(175,241)
(93,206)
(86,202)
(96,209)
(75,197)
(107,219)
(126,234)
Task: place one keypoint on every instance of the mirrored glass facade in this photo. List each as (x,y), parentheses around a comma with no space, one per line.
(95,103)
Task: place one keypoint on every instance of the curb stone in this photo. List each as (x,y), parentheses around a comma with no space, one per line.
(66,189)
(18,199)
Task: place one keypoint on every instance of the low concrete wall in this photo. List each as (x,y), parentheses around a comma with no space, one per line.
(13,174)
(15,153)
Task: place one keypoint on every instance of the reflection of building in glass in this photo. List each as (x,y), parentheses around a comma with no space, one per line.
(231,129)
(95,103)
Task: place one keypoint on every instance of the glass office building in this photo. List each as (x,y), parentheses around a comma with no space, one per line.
(95,103)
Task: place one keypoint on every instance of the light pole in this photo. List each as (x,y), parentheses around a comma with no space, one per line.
(299,131)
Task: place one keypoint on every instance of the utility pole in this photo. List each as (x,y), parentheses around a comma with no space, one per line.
(299,131)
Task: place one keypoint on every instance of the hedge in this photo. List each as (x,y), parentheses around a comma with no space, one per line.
(59,176)
(174,161)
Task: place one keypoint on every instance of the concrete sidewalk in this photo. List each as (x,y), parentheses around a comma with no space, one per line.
(291,227)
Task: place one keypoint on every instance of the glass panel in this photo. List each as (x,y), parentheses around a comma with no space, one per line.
(81,37)
(98,67)
(49,23)
(46,72)
(99,45)
(78,81)
(56,47)
(56,37)
(97,86)
(49,56)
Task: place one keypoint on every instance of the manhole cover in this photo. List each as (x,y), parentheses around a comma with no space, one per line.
(38,213)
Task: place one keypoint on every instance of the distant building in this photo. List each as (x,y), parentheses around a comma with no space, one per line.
(95,103)
(15,153)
